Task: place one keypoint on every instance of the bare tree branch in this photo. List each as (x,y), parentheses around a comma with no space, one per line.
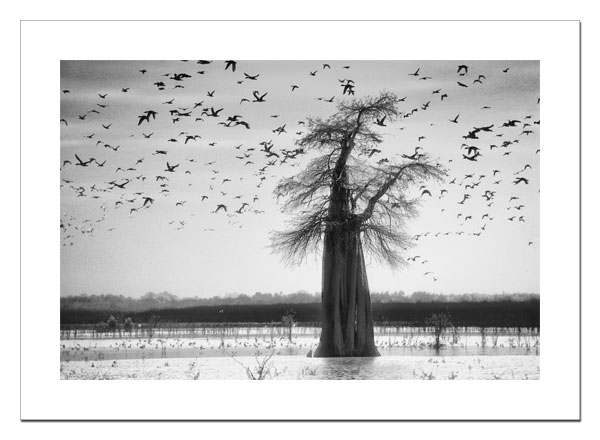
(374,197)
(412,170)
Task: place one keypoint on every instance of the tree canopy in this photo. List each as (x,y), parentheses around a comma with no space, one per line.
(377,188)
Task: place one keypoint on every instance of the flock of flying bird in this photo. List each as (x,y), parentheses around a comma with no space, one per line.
(134,186)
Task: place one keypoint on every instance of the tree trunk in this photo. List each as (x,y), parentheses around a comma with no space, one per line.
(347,325)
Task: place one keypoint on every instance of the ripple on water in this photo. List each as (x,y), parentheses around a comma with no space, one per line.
(299,367)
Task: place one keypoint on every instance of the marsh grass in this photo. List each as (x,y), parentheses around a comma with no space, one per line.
(308,370)
(264,368)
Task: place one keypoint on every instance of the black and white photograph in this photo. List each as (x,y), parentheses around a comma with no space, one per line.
(290,220)
(241,219)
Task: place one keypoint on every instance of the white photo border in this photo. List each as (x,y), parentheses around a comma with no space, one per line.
(556,396)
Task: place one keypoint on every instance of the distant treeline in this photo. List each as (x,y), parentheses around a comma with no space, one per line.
(166,300)
(506,313)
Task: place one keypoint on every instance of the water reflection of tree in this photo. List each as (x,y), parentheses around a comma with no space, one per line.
(348,368)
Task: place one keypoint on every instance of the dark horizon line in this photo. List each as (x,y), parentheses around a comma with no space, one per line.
(233,295)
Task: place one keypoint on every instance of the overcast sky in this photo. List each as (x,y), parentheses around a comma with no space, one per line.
(190,250)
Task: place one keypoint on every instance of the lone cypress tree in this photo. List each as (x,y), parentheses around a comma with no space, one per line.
(349,204)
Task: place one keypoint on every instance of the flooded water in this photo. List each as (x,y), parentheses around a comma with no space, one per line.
(302,368)
(405,354)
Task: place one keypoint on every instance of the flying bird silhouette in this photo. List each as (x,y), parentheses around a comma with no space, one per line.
(171,168)
(462,68)
(230,63)
(84,163)
(258,97)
